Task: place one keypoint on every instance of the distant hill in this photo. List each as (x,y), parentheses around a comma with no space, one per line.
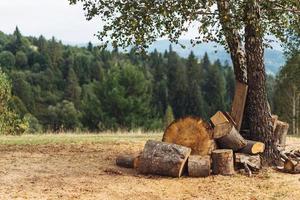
(274,58)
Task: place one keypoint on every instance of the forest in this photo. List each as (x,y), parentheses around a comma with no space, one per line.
(57,87)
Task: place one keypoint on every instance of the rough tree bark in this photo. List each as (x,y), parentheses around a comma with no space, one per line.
(258,114)
(233,40)
(249,68)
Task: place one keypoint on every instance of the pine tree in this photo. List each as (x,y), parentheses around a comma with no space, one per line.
(214,89)
(195,101)
(72,90)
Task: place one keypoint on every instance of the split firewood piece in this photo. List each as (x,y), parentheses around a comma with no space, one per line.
(281,132)
(199,166)
(238,104)
(163,159)
(221,123)
(253,147)
(233,140)
(222,162)
(274,121)
(248,170)
(128,161)
(253,161)
(191,132)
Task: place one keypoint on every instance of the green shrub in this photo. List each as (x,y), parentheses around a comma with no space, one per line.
(10,122)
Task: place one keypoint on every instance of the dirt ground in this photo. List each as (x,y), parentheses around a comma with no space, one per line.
(88,171)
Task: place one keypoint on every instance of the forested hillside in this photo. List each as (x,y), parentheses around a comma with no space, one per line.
(59,87)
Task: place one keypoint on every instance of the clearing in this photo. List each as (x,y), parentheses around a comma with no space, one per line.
(69,166)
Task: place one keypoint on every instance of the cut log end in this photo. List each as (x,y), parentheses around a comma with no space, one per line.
(253,147)
(191,132)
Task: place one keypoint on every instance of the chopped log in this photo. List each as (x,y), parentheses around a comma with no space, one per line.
(297,169)
(238,104)
(289,165)
(222,162)
(191,132)
(233,141)
(127,161)
(221,123)
(253,147)
(281,132)
(199,166)
(163,159)
(253,161)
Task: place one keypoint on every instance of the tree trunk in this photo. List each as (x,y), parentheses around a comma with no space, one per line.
(234,41)
(163,159)
(258,114)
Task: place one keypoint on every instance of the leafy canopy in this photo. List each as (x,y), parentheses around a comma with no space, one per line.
(141,22)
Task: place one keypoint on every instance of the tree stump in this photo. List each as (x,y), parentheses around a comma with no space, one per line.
(281,131)
(191,132)
(222,162)
(199,166)
(163,159)
(253,147)
(127,161)
(233,140)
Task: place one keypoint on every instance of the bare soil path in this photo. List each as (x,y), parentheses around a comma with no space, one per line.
(87,171)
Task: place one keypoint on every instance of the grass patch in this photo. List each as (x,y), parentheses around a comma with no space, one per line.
(69,138)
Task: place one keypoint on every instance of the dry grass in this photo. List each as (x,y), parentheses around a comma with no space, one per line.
(84,168)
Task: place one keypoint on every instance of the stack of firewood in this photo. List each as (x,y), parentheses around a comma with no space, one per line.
(200,148)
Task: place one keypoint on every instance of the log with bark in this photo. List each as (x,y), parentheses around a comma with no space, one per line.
(225,133)
(199,166)
(128,161)
(222,162)
(253,147)
(191,132)
(163,159)
(233,140)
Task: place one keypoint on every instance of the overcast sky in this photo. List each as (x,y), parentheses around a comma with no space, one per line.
(49,18)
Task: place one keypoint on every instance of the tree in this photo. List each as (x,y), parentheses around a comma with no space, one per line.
(72,90)
(21,59)
(214,88)
(223,21)
(7,59)
(287,94)
(195,100)
(126,95)
(10,122)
